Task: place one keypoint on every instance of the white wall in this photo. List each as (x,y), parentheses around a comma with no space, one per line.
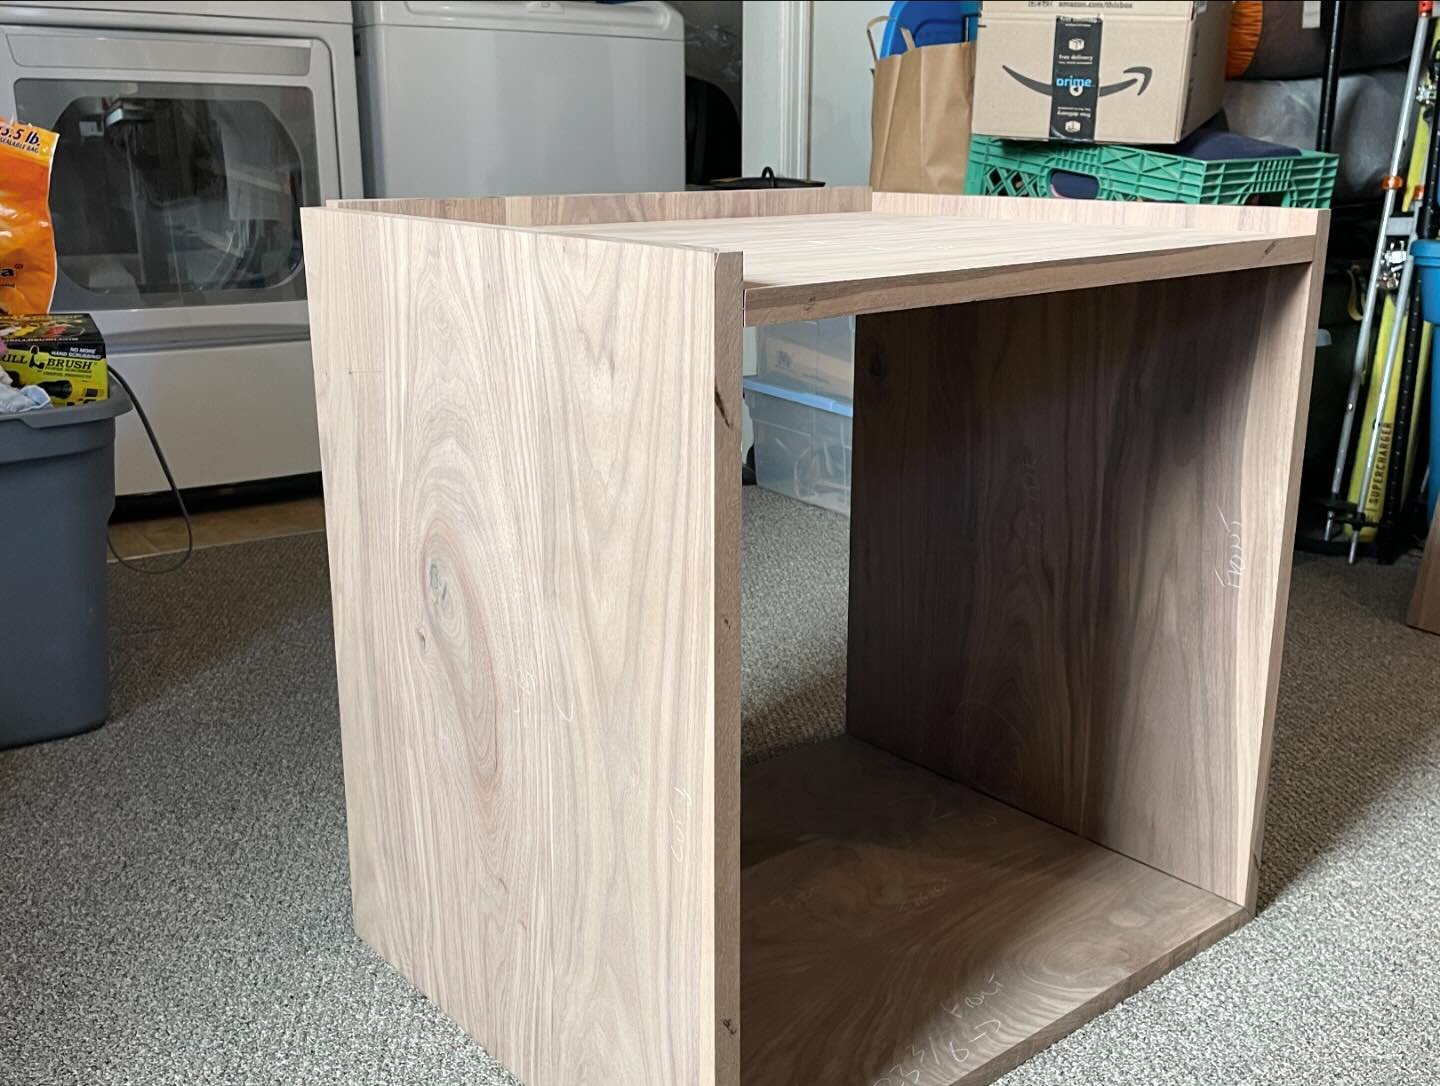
(774,125)
(840,88)
(792,47)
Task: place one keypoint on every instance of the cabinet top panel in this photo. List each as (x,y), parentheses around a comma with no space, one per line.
(800,267)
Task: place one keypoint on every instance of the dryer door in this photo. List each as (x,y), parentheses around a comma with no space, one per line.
(183,162)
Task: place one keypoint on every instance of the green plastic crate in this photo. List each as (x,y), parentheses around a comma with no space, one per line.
(1014,168)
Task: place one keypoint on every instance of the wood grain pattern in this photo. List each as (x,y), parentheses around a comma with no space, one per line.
(1071,534)
(580,210)
(1424,611)
(520,454)
(622,207)
(829,265)
(846,250)
(1072,525)
(1221,218)
(725,770)
(901,930)
(1287,349)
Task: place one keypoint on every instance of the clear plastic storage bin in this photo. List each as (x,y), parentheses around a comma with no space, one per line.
(803,442)
(816,356)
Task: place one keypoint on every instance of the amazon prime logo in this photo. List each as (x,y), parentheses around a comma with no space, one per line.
(1073,88)
(1079,84)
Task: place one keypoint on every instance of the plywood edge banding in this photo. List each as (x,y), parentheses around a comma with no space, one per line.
(766,304)
(724,812)
(513,228)
(1424,612)
(1231,218)
(1288,346)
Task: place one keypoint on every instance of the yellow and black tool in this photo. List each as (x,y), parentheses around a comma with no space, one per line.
(63,353)
(1387,298)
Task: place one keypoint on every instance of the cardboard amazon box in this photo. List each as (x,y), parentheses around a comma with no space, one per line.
(1099,71)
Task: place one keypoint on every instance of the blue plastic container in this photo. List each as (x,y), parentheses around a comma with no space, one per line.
(1427,264)
(930,22)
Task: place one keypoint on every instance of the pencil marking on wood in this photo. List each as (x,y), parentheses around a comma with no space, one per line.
(680,808)
(1234,561)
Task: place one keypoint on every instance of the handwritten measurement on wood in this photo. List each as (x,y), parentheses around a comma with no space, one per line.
(680,807)
(1234,564)
(1032,521)
(951,1051)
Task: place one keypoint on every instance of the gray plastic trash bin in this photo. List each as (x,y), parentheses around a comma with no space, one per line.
(57,490)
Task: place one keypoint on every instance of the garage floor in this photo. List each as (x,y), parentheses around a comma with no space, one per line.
(174,903)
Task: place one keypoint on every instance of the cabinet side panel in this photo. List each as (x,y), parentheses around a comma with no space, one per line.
(519,462)
(729,340)
(1279,410)
(1070,535)
(1424,613)
(590,210)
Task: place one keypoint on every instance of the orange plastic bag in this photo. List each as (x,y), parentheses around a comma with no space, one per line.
(27,242)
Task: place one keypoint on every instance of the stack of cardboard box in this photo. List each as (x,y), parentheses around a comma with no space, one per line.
(1099,71)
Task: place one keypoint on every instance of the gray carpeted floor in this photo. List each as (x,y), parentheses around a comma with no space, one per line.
(174,905)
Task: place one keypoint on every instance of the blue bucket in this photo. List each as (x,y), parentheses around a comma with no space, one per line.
(1427,259)
(1427,266)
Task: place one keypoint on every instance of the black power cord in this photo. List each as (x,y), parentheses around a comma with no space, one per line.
(169,478)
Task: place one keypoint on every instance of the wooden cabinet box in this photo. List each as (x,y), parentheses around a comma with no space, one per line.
(1077,439)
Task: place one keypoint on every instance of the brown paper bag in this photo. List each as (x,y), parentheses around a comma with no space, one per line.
(920,116)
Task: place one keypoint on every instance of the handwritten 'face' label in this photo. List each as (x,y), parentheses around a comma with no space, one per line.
(680,808)
(953,1052)
(1232,562)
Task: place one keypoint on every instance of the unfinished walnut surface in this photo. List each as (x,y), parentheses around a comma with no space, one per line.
(527,592)
(533,211)
(530,410)
(1424,611)
(820,265)
(901,929)
(1097,631)
(1223,218)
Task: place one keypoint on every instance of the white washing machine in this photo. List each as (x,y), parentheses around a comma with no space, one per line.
(492,99)
(191,134)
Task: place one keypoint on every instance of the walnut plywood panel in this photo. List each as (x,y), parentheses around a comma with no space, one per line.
(1071,533)
(1425,602)
(826,265)
(1222,218)
(535,597)
(725,770)
(901,930)
(1077,442)
(622,207)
